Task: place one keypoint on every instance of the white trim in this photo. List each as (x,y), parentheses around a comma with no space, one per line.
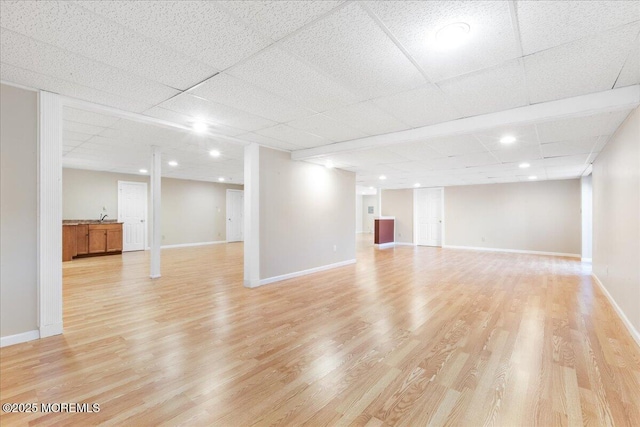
(599,102)
(586,259)
(49,214)
(19,338)
(634,333)
(304,272)
(384,245)
(515,251)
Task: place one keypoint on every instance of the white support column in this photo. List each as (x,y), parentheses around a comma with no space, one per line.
(156,221)
(252,215)
(50,215)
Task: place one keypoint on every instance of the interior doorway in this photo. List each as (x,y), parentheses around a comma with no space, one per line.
(428,214)
(235,215)
(132,212)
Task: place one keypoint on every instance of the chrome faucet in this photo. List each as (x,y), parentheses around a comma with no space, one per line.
(102,217)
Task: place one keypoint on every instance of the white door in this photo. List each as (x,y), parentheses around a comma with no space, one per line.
(235,215)
(132,212)
(428,214)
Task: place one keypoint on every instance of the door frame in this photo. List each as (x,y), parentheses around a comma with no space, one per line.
(146,211)
(415,215)
(230,190)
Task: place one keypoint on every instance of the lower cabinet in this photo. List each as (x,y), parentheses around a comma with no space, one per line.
(93,239)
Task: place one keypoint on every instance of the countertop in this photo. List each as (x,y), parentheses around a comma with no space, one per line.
(89,221)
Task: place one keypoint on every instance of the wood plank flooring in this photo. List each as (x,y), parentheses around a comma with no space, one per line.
(407,336)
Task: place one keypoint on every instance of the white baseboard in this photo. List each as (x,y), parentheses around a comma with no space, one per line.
(187,245)
(50,330)
(515,251)
(634,333)
(300,273)
(586,259)
(19,338)
(384,245)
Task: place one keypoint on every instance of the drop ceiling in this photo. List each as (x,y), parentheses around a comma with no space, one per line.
(297,75)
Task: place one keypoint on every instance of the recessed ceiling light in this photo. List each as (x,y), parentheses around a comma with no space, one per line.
(524,165)
(199,127)
(329,164)
(143,171)
(382,177)
(532,177)
(417,184)
(172,163)
(221,179)
(452,35)
(508,139)
(214,153)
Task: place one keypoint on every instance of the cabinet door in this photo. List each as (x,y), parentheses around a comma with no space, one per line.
(97,241)
(68,242)
(114,239)
(82,233)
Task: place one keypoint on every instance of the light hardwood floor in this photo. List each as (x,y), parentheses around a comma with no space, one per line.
(407,336)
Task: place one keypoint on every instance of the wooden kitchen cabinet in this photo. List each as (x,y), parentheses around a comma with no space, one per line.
(91,239)
(82,237)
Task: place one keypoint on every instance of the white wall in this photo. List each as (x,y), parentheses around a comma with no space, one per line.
(358,213)
(399,204)
(587,216)
(616,219)
(541,216)
(192,211)
(306,211)
(367,218)
(18,210)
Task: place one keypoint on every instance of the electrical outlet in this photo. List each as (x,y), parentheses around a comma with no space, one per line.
(483,239)
(335,248)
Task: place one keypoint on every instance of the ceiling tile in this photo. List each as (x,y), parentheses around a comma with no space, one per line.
(524,134)
(349,46)
(580,127)
(326,127)
(367,117)
(36,80)
(282,74)
(276,19)
(477,159)
(69,136)
(29,54)
(82,127)
(630,74)
(585,66)
(71,27)
(268,142)
(568,148)
(214,113)
(456,145)
(415,151)
(186,120)
(211,36)
(569,161)
(228,90)
(414,23)
(424,106)
(88,117)
(487,91)
(518,154)
(293,136)
(547,24)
